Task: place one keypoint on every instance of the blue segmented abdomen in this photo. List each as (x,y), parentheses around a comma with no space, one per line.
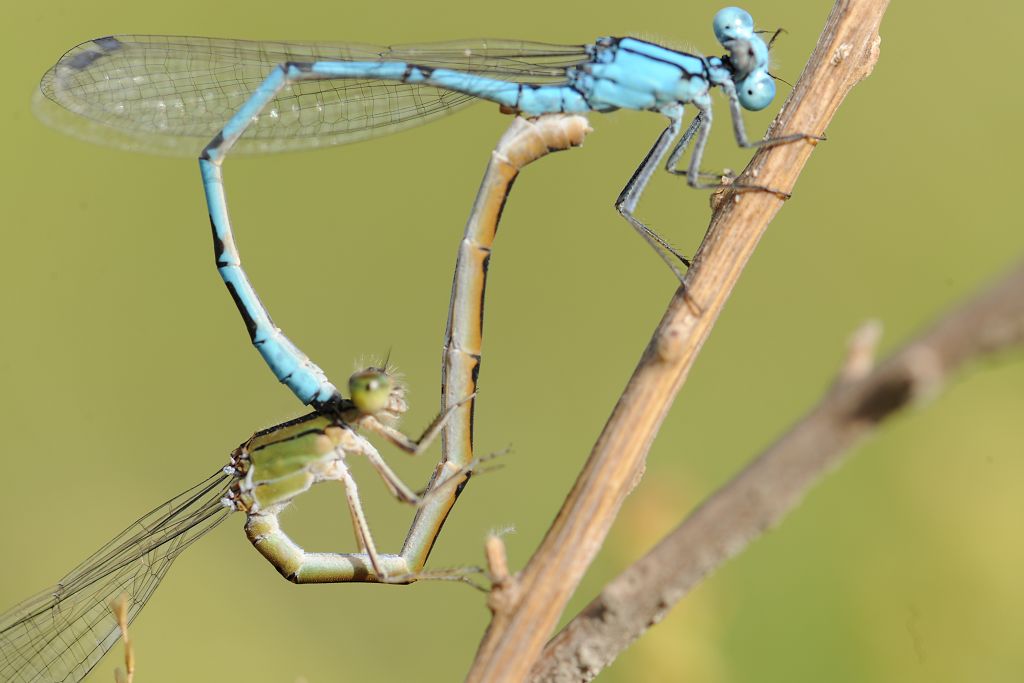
(288,363)
(529,99)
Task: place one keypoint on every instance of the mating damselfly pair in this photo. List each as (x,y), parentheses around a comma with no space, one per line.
(174,94)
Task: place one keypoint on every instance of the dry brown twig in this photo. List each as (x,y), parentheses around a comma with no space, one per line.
(846,53)
(775,482)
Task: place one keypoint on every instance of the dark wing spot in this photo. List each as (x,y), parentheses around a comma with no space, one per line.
(83,59)
(108,44)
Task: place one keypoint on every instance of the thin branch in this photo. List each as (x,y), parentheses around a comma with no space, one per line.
(774,483)
(846,53)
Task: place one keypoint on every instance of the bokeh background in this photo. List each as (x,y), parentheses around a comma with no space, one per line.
(128,376)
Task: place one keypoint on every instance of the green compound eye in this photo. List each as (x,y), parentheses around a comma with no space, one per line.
(370,390)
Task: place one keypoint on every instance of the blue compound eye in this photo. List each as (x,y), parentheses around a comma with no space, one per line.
(732,23)
(756,91)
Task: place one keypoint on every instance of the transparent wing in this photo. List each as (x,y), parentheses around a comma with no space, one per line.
(60,634)
(171,94)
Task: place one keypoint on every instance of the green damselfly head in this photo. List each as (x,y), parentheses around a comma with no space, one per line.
(377,391)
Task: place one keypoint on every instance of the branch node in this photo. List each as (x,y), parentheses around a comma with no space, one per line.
(860,352)
(504,593)
(871,53)
(672,342)
(841,53)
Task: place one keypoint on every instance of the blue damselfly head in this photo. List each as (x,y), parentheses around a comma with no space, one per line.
(748,57)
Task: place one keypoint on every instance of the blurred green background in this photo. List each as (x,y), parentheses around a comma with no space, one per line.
(128,376)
